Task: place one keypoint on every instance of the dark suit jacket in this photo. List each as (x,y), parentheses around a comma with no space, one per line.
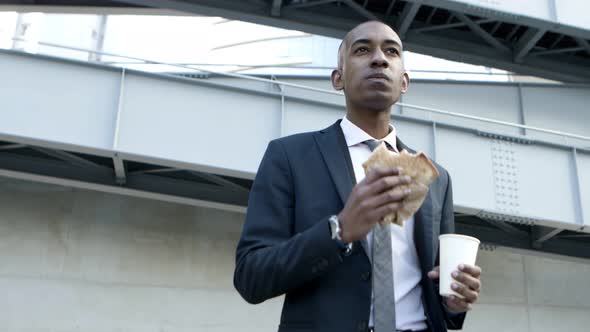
(286,246)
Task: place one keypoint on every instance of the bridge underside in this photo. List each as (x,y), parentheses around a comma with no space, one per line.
(455,30)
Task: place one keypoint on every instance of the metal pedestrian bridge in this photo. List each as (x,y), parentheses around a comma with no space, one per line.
(136,133)
(545,38)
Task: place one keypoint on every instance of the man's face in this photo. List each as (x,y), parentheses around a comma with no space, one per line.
(371,74)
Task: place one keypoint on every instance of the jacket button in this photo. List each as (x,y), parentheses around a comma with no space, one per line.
(365,276)
(347,251)
(362,326)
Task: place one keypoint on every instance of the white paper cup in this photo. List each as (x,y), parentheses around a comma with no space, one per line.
(455,249)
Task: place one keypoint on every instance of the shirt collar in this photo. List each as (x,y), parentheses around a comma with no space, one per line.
(355,135)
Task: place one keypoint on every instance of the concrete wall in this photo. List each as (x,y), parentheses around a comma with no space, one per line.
(73,260)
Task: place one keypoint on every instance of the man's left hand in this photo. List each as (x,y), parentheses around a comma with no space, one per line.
(468,284)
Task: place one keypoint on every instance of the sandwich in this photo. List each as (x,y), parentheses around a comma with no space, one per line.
(418,167)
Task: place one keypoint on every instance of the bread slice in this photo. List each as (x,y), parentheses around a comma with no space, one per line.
(417,166)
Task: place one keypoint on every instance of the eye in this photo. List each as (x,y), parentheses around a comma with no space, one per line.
(392,50)
(361,49)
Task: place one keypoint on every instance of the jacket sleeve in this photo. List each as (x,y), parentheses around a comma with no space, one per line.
(454,321)
(270,258)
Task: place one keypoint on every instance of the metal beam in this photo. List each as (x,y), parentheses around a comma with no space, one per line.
(120,176)
(577,188)
(450,25)
(408,15)
(361,10)
(556,41)
(475,227)
(504,226)
(429,18)
(71,158)
(481,32)
(495,28)
(276,8)
(156,170)
(584,43)
(220,181)
(541,234)
(12,146)
(558,51)
(390,8)
(104,177)
(309,4)
(120,190)
(512,32)
(457,49)
(527,42)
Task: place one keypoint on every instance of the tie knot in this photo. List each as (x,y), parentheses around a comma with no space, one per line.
(373,144)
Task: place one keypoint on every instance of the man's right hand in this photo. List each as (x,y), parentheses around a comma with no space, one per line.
(378,195)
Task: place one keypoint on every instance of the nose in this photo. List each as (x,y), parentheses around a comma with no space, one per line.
(379,59)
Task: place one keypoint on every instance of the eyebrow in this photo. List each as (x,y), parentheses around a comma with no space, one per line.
(367,41)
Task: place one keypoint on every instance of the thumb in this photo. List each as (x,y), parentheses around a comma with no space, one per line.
(434,274)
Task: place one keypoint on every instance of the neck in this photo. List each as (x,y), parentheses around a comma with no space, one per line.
(374,123)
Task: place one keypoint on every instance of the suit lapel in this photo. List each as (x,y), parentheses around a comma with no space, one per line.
(334,150)
(423,235)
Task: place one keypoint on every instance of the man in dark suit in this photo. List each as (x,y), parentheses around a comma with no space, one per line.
(312,211)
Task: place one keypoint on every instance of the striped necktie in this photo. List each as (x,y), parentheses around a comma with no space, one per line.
(383,292)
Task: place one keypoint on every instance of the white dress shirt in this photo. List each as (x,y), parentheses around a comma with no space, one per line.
(406,269)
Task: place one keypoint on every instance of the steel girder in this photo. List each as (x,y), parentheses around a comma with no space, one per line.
(446,29)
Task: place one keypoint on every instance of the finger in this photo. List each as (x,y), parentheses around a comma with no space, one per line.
(456,304)
(387,183)
(379,172)
(433,275)
(388,197)
(473,270)
(469,295)
(377,214)
(467,280)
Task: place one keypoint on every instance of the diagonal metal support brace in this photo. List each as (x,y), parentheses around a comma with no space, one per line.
(506,227)
(12,146)
(408,15)
(481,32)
(309,4)
(450,25)
(584,43)
(276,8)
(541,234)
(390,8)
(220,181)
(361,10)
(71,158)
(526,43)
(120,176)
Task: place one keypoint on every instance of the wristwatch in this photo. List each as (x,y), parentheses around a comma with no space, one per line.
(336,231)
(335,228)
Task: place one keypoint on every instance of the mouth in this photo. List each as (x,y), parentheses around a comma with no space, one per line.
(378,76)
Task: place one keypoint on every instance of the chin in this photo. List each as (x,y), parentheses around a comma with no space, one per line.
(379,102)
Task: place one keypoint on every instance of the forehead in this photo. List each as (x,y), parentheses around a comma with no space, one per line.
(374,32)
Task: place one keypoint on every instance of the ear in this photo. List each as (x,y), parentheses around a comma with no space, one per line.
(337,80)
(405,82)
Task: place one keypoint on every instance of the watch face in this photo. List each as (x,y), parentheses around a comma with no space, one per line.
(334,227)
